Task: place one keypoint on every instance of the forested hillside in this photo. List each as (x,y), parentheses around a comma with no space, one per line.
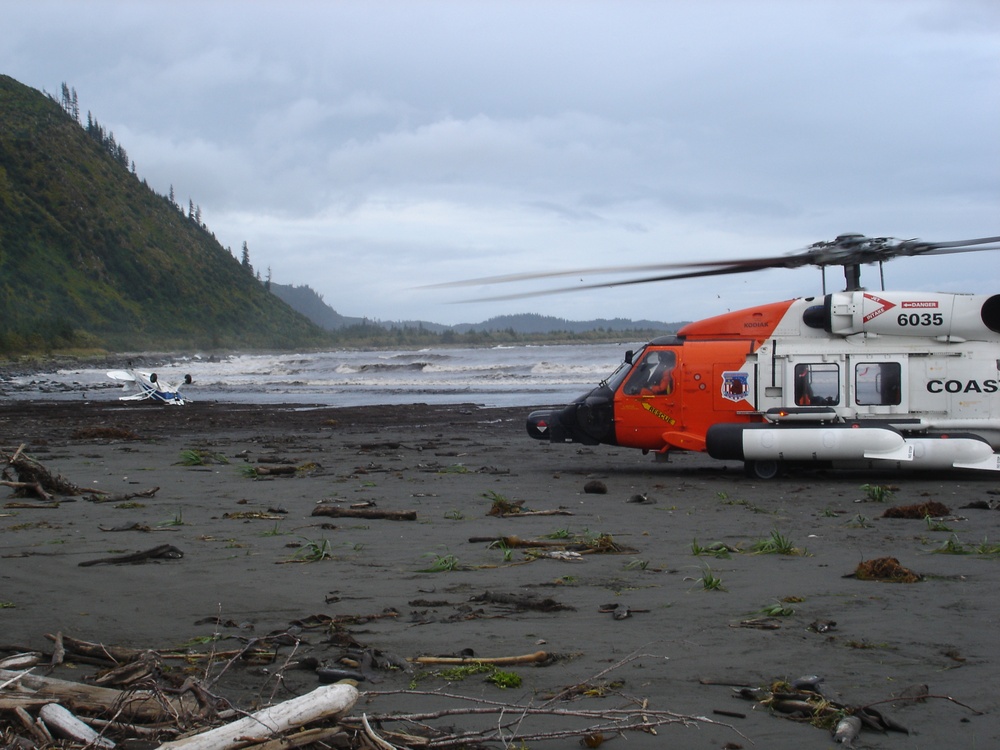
(91,256)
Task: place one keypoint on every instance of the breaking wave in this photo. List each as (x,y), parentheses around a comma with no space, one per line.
(497,376)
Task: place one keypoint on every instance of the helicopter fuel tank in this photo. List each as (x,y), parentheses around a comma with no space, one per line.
(850,442)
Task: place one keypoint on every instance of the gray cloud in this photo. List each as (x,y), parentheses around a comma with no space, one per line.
(366,148)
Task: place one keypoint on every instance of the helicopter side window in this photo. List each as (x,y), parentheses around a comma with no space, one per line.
(817,384)
(878,384)
(653,376)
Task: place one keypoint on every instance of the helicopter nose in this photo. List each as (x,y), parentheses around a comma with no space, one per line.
(546,425)
(588,420)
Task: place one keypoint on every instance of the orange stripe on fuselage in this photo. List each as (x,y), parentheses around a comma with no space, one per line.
(713,382)
(757,323)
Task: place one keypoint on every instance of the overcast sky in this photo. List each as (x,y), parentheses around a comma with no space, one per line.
(368,148)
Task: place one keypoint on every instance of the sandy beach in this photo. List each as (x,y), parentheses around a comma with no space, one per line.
(256,560)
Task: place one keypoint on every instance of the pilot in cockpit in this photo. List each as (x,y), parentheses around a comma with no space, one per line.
(654,376)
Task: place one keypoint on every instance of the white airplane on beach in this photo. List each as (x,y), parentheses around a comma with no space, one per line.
(150,387)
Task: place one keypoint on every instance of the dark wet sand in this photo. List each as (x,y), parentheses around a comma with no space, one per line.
(448,463)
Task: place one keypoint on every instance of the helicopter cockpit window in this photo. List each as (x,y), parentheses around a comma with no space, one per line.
(877,384)
(817,384)
(653,376)
(615,379)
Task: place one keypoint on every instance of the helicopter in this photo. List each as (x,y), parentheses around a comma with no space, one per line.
(151,387)
(907,380)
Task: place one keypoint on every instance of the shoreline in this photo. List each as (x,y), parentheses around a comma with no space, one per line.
(492,376)
(423,587)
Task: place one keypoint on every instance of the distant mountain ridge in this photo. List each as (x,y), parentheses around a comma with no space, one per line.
(308,302)
(535,323)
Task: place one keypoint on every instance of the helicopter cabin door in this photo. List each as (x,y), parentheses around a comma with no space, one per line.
(649,400)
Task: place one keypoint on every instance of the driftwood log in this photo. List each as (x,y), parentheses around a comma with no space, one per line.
(62,723)
(337,512)
(34,692)
(114,654)
(324,702)
(17,662)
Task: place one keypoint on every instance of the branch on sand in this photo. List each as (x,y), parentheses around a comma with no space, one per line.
(511,726)
(536,658)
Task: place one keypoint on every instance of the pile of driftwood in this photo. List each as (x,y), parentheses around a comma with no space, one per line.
(133,701)
(28,478)
(31,479)
(94,716)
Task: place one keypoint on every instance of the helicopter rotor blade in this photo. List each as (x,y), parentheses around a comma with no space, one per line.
(626,282)
(848,250)
(748,264)
(916,247)
(512,277)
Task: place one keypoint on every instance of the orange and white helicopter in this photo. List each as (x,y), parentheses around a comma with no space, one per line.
(852,378)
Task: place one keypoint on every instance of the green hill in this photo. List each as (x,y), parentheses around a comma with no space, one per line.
(311,304)
(91,256)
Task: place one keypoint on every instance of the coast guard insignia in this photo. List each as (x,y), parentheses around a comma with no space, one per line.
(734,385)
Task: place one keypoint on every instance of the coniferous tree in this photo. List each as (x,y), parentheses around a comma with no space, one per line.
(245,262)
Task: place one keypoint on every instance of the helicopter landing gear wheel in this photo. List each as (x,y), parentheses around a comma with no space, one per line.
(765,469)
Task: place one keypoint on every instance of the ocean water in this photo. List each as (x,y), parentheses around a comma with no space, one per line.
(497,376)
